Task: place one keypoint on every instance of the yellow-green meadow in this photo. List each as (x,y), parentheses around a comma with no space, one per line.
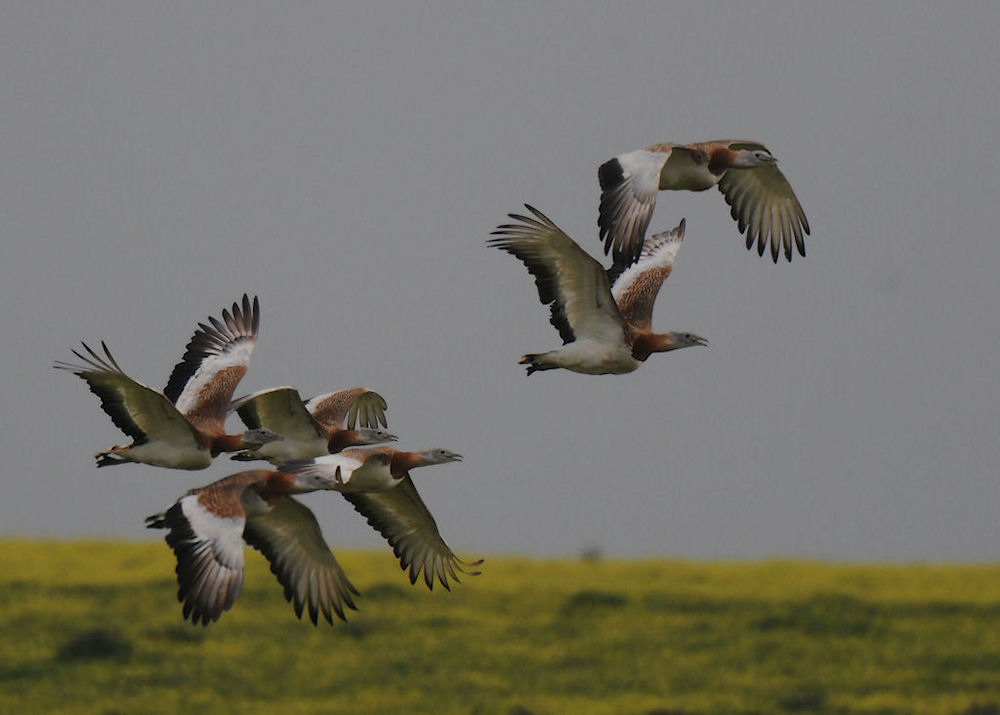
(94,626)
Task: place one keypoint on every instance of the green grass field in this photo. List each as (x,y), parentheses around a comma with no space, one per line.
(95,627)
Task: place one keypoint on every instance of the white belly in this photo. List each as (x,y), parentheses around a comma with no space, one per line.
(162,454)
(284,450)
(595,358)
(688,176)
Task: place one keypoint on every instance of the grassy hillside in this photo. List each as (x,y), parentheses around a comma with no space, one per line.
(95,627)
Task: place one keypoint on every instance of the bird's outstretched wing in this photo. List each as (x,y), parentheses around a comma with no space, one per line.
(137,410)
(346,408)
(289,536)
(569,280)
(629,184)
(635,288)
(279,409)
(765,207)
(206,534)
(399,514)
(202,383)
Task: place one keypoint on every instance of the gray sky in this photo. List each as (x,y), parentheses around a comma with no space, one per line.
(347,164)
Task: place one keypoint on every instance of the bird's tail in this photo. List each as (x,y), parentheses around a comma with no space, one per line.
(157,521)
(537,362)
(106,459)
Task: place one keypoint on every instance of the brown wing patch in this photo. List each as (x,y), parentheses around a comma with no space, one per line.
(332,411)
(356,407)
(222,498)
(636,303)
(209,410)
(213,340)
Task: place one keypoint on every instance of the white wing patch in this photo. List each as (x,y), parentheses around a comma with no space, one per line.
(658,251)
(360,470)
(221,346)
(236,354)
(629,184)
(224,535)
(325,466)
(209,550)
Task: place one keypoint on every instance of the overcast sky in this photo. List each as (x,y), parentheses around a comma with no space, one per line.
(347,163)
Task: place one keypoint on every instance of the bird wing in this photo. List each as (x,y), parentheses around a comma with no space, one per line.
(281,410)
(629,184)
(635,288)
(290,537)
(137,410)
(206,533)
(570,281)
(202,383)
(399,514)
(347,408)
(764,205)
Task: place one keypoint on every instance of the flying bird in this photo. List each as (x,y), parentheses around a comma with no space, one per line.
(376,481)
(763,203)
(605,326)
(322,425)
(184,426)
(207,528)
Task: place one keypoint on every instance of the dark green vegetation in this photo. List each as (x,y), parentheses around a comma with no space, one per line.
(95,627)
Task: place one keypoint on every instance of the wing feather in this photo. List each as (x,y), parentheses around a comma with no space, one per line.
(137,410)
(346,408)
(281,410)
(763,204)
(635,288)
(202,383)
(399,514)
(570,281)
(629,184)
(208,545)
(290,537)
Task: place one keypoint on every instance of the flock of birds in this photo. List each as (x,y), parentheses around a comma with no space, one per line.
(603,316)
(316,444)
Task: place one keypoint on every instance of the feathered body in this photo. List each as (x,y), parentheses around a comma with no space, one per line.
(321,425)
(184,426)
(207,529)
(761,199)
(376,481)
(603,316)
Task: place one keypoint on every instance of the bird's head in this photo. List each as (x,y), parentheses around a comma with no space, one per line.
(750,158)
(439,456)
(687,340)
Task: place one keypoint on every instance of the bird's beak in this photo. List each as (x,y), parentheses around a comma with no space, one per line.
(701,341)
